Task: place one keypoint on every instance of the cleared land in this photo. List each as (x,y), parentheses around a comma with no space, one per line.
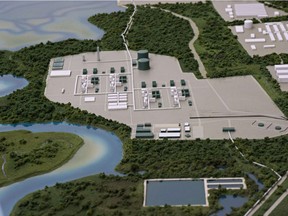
(221,5)
(27,154)
(238,102)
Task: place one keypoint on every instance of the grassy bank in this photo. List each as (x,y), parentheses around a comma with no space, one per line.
(281,209)
(280,190)
(28,154)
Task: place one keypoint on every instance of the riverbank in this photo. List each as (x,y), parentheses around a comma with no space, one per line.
(28,154)
(101,152)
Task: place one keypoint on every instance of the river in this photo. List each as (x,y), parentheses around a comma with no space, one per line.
(25,23)
(10,83)
(101,152)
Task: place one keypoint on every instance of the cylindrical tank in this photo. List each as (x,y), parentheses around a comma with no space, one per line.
(143,64)
(248,24)
(142,54)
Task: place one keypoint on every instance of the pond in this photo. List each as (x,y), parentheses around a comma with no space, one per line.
(10,83)
(101,152)
(257,181)
(229,201)
(175,192)
(19,27)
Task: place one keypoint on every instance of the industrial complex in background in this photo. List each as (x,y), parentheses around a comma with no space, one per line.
(160,101)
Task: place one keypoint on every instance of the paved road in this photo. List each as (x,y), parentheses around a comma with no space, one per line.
(279,200)
(191,43)
(271,192)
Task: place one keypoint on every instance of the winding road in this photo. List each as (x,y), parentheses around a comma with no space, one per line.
(191,43)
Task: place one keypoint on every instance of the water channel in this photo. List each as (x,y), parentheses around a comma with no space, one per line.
(10,83)
(101,152)
(25,23)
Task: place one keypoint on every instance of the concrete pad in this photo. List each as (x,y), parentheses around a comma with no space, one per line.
(281,46)
(220,6)
(198,132)
(217,100)
(250,9)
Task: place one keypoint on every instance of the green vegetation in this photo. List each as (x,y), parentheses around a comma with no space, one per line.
(30,104)
(114,195)
(29,154)
(218,49)
(113,24)
(158,158)
(281,209)
(274,19)
(270,151)
(152,29)
(96,195)
(164,34)
(283,5)
(272,199)
(197,159)
(223,55)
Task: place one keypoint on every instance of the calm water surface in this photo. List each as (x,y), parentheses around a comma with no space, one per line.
(10,83)
(23,23)
(229,201)
(101,152)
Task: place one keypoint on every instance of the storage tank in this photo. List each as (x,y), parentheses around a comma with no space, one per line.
(143,64)
(142,54)
(248,24)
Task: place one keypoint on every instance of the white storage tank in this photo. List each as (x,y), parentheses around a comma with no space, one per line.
(248,24)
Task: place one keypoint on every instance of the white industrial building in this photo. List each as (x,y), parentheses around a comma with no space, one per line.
(281,73)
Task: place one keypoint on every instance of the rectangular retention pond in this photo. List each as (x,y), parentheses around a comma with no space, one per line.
(175,192)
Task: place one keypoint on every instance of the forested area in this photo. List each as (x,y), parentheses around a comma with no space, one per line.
(217,47)
(280,4)
(164,34)
(152,29)
(199,158)
(113,24)
(272,152)
(161,158)
(117,196)
(27,154)
(224,56)
(30,104)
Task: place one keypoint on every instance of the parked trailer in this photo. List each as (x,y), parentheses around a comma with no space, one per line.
(187,128)
(283,78)
(169,135)
(281,66)
(173,130)
(282,72)
(256,40)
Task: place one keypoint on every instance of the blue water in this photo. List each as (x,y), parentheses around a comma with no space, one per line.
(173,192)
(259,183)
(229,201)
(9,83)
(109,145)
(225,186)
(23,23)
